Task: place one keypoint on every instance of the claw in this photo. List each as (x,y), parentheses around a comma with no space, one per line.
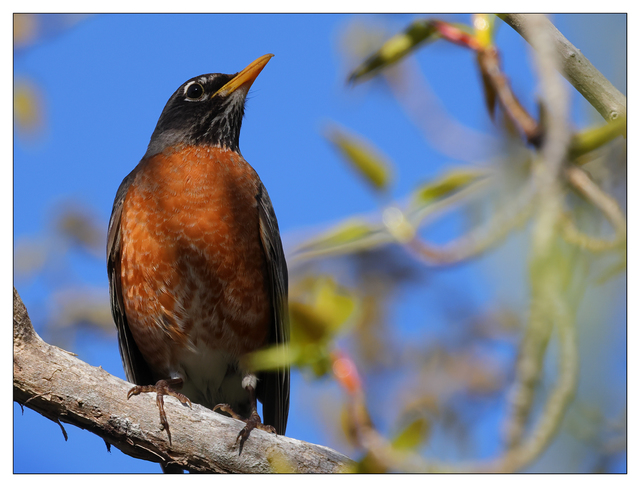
(162,388)
(253,422)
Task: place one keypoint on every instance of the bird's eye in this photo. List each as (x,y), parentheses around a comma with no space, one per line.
(195,91)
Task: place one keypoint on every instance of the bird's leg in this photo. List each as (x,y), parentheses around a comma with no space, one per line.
(253,421)
(162,388)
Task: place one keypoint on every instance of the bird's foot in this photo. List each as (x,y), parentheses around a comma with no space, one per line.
(253,422)
(162,388)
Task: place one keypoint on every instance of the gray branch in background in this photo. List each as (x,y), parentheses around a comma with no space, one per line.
(577,69)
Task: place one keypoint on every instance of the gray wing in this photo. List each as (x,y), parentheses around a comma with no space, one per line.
(135,367)
(273,386)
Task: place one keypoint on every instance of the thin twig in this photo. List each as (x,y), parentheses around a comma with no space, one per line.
(489,61)
(580,180)
(574,236)
(549,421)
(482,238)
(379,233)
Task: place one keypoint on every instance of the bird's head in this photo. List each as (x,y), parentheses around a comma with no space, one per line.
(206,110)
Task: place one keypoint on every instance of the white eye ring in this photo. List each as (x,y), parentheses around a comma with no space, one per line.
(194,85)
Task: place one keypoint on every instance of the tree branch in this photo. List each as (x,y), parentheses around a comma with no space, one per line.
(62,388)
(577,69)
(483,237)
(548,304)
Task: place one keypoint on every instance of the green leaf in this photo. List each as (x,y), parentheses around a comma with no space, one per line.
(334,304)
(396,48)
(363,157)
(314,357)
(350,231)
(412,435)
(27,106)
(307,325)
(318,321)
(369,464)
(450,182)
(273,357)
(318,309)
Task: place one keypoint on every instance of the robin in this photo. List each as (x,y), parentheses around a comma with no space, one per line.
(197,273)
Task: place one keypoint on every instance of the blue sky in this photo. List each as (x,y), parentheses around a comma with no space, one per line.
(105,81)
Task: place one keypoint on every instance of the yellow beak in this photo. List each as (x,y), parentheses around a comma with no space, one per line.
(246,77)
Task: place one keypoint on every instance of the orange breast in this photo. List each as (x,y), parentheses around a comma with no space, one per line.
(193,267)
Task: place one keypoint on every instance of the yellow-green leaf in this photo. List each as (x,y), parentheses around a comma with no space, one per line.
(412,435)
(363,157)
(317,320)
(448,183)
(27,105)
(396,48)
(307,325)
(334,304)
(273,357)
(370,464)
(313,356)
(348,232)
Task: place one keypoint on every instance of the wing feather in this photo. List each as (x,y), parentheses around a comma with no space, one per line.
(135,367)
(273,386)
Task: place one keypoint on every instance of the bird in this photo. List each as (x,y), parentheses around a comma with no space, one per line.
(197,272)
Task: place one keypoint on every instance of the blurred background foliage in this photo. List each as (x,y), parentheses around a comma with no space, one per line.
(414,401)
